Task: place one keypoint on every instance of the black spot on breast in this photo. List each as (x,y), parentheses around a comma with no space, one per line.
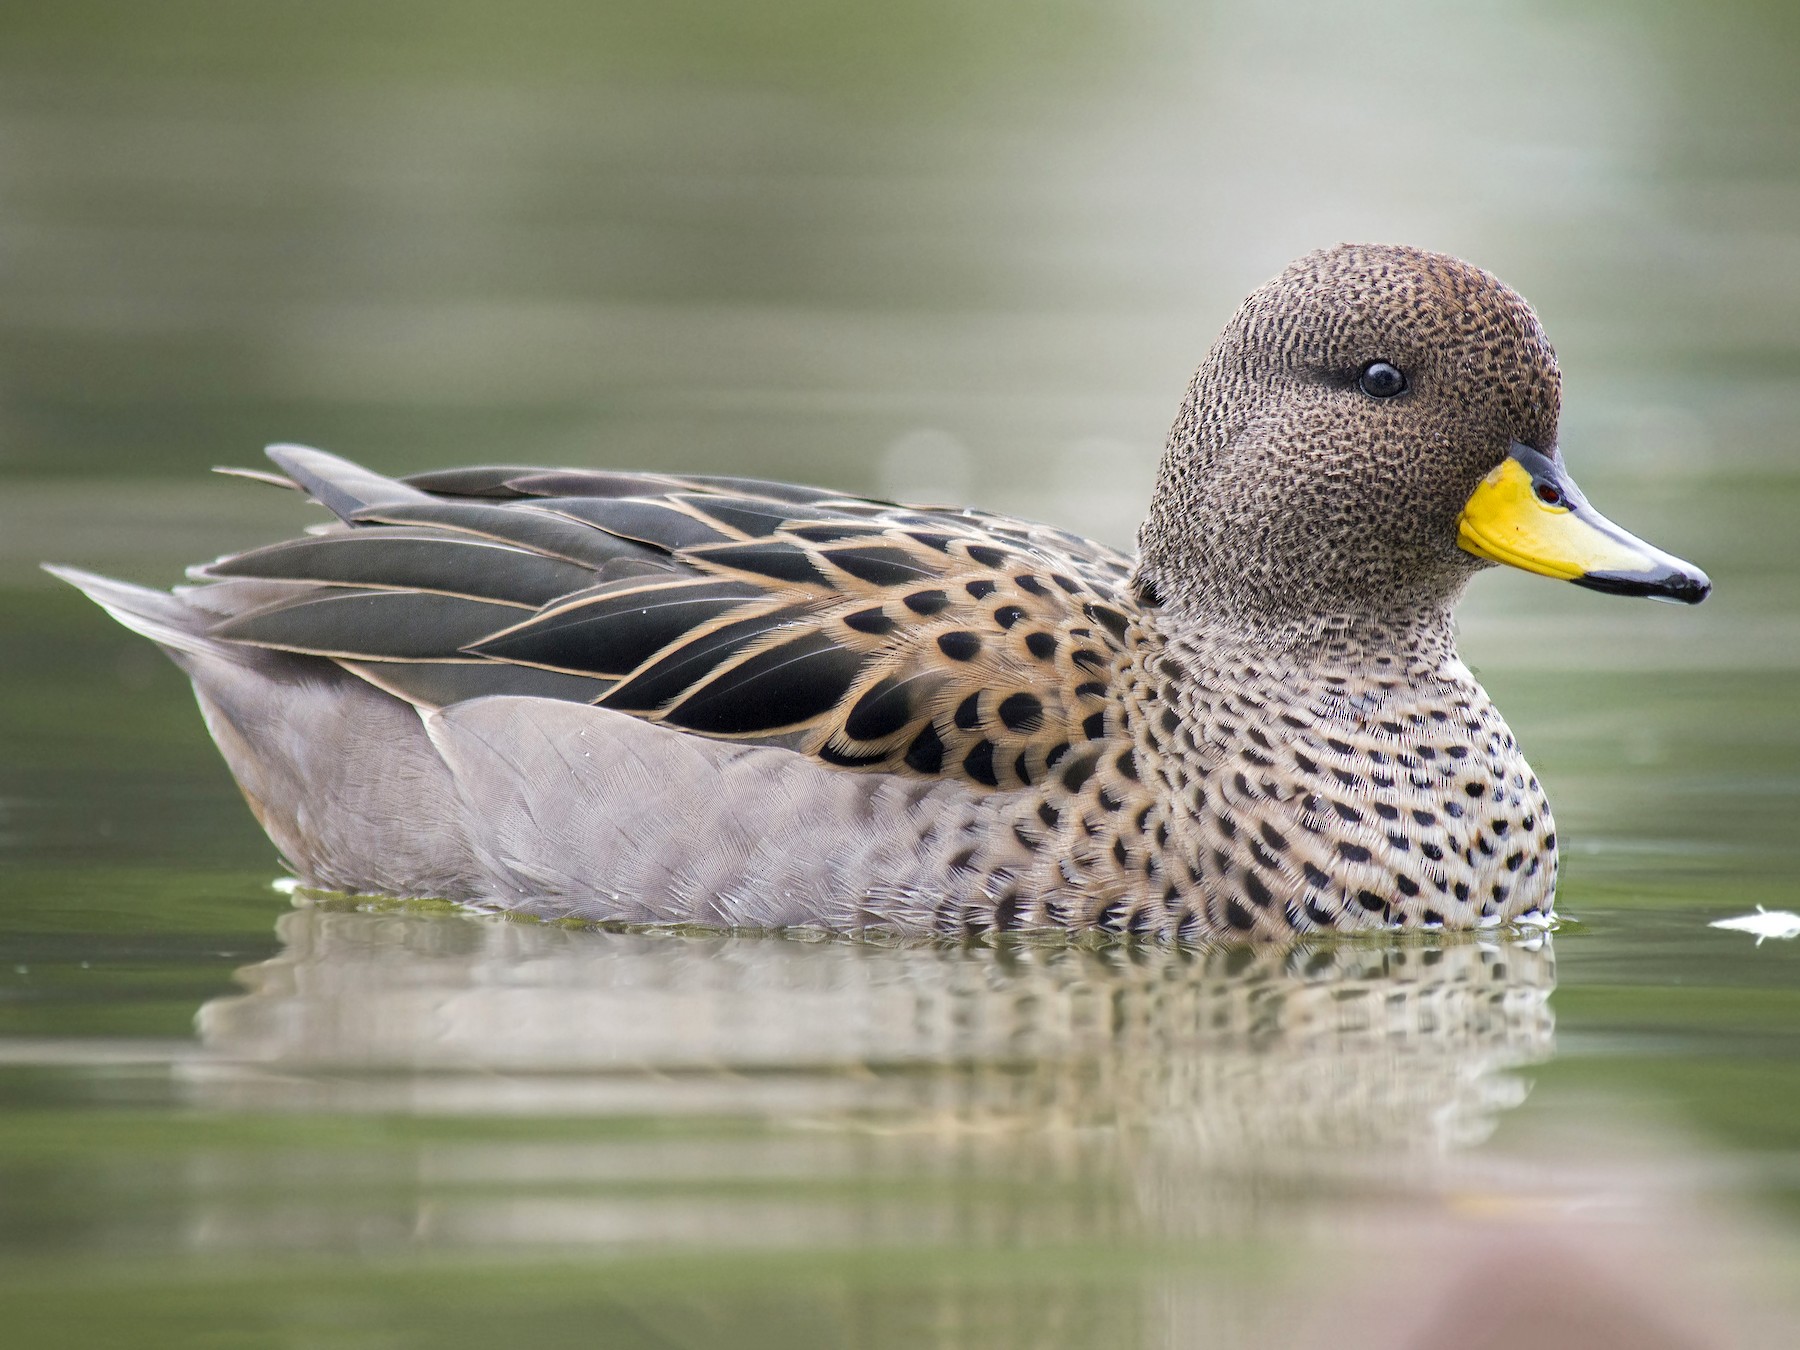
(1239,917)
(926,602)
(1055,753)
(1107,801)
(1118,852)
(1069,584)
(1349,852)
(1090,689)
(959,646)
(1305,764)
(1370,901)
(1274,837)
(1348,812)
(986,556)
(1315,875)
(880,712)
(1089,660)
(1406,884)
(1386,812)
(1049,815)
(1127,764)
(968,712)
(926,753)
(1094,727)
(1022,712)
(1022,767)
(1080,769)
(1259,893)
(869,621)
(1108,618)
(1007,615)
(1424,817)
(979,764)
(940,542)
(1041,645)
(980,590)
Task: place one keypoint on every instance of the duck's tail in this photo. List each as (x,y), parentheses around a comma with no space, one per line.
(166,619)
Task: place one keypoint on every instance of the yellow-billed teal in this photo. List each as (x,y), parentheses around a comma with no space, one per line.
(657,699)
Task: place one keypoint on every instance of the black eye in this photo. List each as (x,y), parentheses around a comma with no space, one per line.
(1381,380)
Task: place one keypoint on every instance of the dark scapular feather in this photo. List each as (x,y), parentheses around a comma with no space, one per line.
(778,687)
(683,666)
(436,684)
(612,633)
(395,557)
(540,531)
(777,559)
(657,523)
(374,625)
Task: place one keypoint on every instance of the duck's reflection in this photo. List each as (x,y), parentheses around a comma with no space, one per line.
(1243,1052)
(546,1090)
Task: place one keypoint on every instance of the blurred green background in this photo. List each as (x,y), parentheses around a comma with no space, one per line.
(965,251)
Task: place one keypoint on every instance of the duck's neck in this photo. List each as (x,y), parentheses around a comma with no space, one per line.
(1415,640)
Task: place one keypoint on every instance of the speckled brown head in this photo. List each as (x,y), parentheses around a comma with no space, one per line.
(1330,445)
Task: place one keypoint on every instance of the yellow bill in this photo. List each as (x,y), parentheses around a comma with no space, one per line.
(1528,513)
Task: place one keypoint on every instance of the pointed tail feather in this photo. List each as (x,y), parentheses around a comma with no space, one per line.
(165,619)
(341,487)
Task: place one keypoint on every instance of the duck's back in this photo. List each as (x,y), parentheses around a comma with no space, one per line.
(933,642)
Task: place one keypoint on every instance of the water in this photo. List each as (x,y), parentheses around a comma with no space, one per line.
(943,251)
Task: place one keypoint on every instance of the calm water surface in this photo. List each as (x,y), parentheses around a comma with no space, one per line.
(952,252)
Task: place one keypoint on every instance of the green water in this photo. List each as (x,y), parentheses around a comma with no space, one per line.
(950,251)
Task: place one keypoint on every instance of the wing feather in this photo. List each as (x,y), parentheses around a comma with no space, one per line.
(912,640)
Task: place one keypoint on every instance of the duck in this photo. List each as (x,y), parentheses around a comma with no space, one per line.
(649,699)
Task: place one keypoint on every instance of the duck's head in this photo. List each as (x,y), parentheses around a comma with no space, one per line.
(1374,426)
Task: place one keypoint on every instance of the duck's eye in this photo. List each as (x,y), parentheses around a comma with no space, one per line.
(1379,379)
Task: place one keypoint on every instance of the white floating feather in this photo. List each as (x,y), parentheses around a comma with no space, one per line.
(1765,923)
